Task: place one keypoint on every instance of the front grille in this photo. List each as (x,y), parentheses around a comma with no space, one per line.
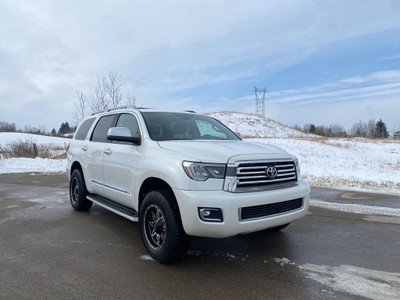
(261,211)
(254,174)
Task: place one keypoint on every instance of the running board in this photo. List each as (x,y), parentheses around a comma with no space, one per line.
(115,207)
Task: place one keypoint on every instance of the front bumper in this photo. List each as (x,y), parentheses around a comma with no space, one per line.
(230,204)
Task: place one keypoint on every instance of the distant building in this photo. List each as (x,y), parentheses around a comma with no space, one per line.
(396,135)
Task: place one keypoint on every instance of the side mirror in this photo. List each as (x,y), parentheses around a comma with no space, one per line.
(238,134)
(122,134)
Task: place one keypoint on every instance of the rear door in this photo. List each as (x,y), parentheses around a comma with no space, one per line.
(120,164)
(79,146)
(95,148)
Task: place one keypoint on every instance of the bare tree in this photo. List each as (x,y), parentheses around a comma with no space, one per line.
(130,100)
(107,94)
(80,108)
(98,100)
(371,128)
(359,129)
(113,83)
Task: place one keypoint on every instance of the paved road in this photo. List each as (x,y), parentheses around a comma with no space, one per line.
(50,251)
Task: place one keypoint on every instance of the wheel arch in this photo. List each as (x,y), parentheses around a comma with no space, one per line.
(76,165)
(153,184)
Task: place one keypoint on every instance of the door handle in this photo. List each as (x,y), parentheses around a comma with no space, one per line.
(84,148)
(107,151)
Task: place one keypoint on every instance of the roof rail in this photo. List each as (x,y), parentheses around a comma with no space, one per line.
(122,107)
(115,108)
(190,111)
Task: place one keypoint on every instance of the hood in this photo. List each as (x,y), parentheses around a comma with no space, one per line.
(222,151)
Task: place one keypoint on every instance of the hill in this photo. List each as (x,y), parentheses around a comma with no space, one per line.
(252,125)
(12,137)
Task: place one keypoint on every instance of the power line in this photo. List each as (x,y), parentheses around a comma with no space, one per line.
(260,100)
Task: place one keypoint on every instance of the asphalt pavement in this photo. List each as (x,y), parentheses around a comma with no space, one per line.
(50,251)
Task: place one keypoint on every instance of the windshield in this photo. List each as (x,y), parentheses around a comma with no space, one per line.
(165,126)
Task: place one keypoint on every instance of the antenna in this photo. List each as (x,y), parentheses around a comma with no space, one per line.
(260,100)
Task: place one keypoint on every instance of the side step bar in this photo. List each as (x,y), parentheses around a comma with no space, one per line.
(117,208)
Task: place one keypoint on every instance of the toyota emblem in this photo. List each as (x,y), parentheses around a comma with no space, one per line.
(271,172)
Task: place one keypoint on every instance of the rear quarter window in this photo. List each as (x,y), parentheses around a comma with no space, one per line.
(84,129)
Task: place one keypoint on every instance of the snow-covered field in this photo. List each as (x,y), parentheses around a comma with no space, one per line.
(55,146)
(32,165)
(9,137)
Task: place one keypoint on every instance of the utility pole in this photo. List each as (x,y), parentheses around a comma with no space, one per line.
(260,100)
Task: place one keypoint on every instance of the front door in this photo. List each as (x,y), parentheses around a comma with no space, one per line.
(120,164)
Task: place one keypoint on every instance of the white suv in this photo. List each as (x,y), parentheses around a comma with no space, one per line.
(180,174)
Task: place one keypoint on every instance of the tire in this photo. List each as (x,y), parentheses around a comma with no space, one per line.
(161,227)
(78,192)
(278,228)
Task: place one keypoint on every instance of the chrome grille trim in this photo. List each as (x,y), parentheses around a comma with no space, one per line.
(265,181)
(245,172)
(251,175)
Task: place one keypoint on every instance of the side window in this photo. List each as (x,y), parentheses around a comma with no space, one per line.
(101,129)
(209,130)
(84,129)
(129,121)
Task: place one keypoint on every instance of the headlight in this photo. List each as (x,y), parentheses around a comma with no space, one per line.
(296,162)
(203,171)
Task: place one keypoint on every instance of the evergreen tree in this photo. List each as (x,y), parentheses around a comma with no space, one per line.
(67,128)
(380,130)
(312,128)
(53,131)
(64,128)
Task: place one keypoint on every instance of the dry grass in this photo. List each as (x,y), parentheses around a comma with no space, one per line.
(397,166)
(322,140)
(331,140)
(30,149)
(4,153)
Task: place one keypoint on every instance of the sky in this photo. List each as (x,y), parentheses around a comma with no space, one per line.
(323,62)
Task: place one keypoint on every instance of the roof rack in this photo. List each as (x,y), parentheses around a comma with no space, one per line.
(190,111)
(115,108)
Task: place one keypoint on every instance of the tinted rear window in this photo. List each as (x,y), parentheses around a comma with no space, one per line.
(84,129)
(100,132)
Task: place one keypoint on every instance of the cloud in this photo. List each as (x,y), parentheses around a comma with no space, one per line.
(50,49)
(377,83)
(342,102)
(395,56)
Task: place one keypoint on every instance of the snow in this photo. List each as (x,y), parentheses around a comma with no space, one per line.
(31,165)
(284,261)
(8,137)
(357,208)
(354,280)
(358,281)
(252,125)
(146,257)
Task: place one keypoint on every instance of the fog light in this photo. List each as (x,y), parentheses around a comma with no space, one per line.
(208,214)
